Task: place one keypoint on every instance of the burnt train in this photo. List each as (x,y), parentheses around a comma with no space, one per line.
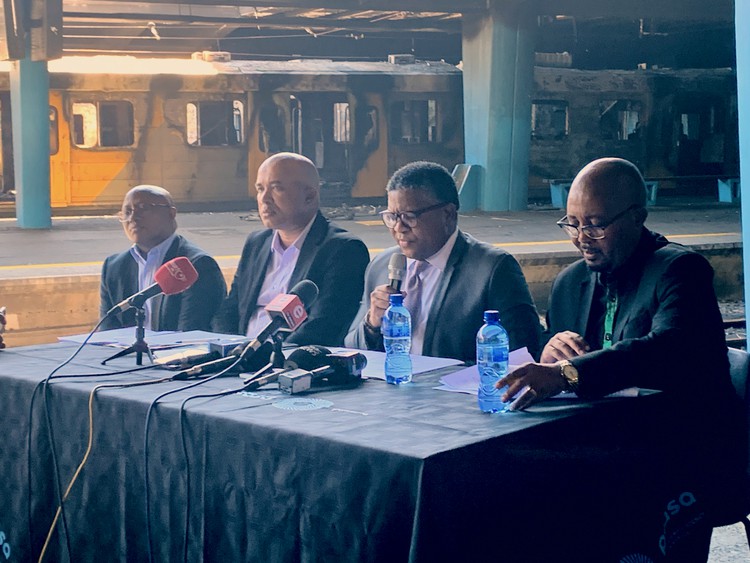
(201,128)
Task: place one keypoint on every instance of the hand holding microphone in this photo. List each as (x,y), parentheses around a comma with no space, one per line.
(171,278)
(379,297)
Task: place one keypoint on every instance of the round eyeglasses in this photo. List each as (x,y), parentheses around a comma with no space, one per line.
(408,218)
(126,213)
(594,232)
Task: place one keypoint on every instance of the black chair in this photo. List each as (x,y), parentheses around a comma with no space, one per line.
(739,369)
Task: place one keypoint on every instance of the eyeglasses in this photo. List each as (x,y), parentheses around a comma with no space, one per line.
(408,218)
(126,213)
(595,232)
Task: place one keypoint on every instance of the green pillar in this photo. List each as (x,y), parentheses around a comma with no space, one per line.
(498,74)
(29,100)
(742,42)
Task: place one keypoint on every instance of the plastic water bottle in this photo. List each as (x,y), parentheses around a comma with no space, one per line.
(492,361)
(396,329)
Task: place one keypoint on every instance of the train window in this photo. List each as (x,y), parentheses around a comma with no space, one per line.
(54,143)
(690,126)
(341,123)
(367,127)
(549,119)
(271,130)
(103,124)
(619,119)
(415,122)
(215,123)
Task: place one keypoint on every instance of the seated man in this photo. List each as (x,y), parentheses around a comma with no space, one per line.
(451,278)
(298,243)
(640,311)
(148,218)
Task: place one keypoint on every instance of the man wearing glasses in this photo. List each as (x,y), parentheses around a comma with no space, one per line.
(451,278)
(298,243)
(640,311)
(148,217)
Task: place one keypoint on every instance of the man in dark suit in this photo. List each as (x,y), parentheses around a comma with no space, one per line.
(458,276)
(640,311)
(148,217)
(298,243)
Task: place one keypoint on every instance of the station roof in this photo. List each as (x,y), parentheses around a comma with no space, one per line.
(174,28)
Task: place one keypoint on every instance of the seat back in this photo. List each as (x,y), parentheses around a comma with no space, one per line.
(739,370)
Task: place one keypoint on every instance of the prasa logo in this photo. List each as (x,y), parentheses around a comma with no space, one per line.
(176,272)
(4,545)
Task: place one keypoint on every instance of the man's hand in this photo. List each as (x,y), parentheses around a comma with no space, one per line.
(564,346)
(379,301)
(533,383)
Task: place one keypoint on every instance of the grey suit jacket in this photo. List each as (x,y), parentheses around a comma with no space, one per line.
(477,277)
(192,309)
(332,258)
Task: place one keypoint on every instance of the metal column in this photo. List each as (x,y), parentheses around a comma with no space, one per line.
(29,98)
(498,74)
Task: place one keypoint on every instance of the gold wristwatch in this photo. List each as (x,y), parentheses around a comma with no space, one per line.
(569,374)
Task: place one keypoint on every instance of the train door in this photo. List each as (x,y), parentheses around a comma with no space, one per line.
(321,131)
(59,153)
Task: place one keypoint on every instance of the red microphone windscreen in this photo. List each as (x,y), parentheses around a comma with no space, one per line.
(176,275)
(289,306)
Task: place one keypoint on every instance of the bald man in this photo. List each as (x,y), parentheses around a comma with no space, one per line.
(640,311)
(149,219)
(298,243)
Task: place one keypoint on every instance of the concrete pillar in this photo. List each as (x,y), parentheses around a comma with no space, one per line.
(29,99)
(742,39)
(498,74)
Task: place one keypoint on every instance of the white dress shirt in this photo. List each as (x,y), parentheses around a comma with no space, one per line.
(430,279)
(278,274)
(147,267)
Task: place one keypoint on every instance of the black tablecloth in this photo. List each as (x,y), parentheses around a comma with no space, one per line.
(377,473)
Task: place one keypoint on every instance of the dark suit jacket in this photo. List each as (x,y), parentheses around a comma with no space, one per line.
(667,311)
(477,277)
(330,257)
(668,335)
(192,309)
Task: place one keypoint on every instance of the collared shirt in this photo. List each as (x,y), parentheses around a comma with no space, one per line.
(147,267)
(430,279)
(278,274)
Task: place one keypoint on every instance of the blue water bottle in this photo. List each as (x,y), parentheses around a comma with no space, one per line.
(396,329)
(492,361)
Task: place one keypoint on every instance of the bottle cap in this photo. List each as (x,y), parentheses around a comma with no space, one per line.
(492,316)
(396,299)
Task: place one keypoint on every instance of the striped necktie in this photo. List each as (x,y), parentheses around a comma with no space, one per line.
(413,298)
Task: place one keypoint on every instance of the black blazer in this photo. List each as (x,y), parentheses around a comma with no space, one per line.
(192,309)
(477,277)
(332,258)
(668,332)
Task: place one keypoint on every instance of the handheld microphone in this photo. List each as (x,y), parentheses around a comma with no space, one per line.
(311,366)
(396,270)
(171,278)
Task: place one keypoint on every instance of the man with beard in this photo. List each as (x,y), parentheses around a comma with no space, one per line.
(640,311)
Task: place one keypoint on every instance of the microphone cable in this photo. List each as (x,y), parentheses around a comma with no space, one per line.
(151,408)
(248,383)
(29,436)
(89,448)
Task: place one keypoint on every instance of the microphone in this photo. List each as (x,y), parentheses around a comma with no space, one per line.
(286,310)
(311,366)
(396,270)
(171,278)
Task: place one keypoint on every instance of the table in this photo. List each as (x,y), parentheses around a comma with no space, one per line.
(382,473)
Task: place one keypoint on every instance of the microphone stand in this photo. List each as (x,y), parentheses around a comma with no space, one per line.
(139,346)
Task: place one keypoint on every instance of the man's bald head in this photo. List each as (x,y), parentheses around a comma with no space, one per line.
(288,193)
(608,192)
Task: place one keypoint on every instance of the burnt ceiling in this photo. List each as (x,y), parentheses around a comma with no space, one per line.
(624,32)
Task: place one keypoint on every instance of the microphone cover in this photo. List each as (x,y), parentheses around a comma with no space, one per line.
(176,276)
(308,357)
(396,270)
(307,292)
